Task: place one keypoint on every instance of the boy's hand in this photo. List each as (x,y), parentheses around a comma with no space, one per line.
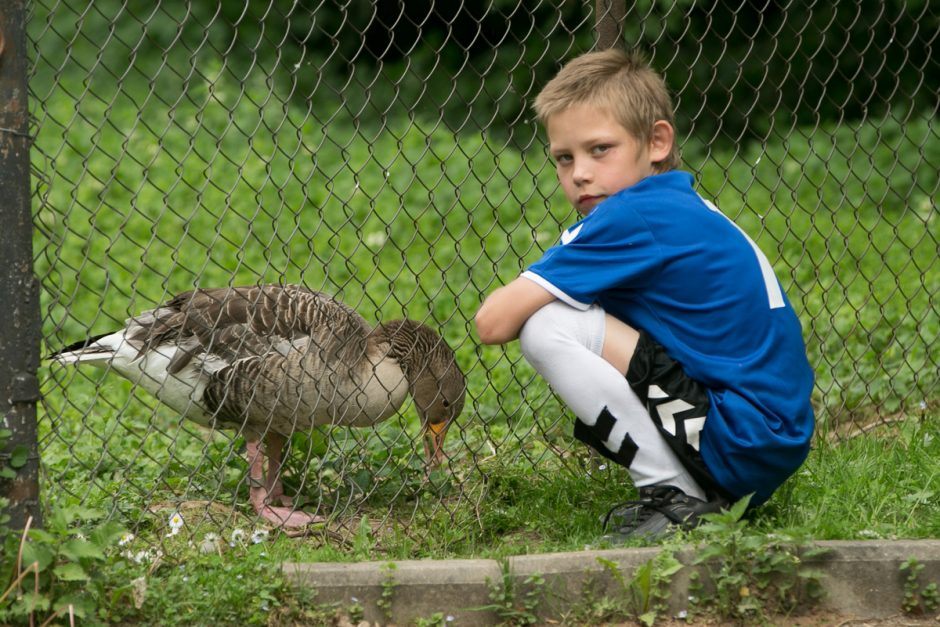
(505,311)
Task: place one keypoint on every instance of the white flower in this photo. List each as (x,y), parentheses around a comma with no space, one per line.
(176,523)
(683,614)
(449,618)
(126,538)
(210,543)
(259,535)
(238,535)
(602,467)
(142,556)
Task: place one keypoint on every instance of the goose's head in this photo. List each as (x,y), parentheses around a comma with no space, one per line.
(435,381)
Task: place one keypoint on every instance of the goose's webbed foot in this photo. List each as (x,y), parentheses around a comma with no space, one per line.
(265,491)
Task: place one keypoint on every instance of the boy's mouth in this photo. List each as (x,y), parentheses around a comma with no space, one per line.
(586,201)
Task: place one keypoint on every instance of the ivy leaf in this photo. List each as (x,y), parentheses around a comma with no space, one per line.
(670,569)
(70,572)
(19,456)
(31,602)
(107,534)
(43,536)
(79,605)
(737,510)
(77,549)
(41,554)
(85,513)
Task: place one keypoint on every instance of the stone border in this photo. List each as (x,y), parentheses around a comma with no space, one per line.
(859,578)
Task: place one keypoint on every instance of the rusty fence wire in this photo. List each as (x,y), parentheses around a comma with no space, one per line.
(385,153)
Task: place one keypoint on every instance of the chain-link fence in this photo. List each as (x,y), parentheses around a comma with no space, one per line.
(386,154)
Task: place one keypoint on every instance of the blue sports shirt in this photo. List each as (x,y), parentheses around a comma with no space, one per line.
(662,259)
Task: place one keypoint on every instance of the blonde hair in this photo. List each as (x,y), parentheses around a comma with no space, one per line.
(620,83)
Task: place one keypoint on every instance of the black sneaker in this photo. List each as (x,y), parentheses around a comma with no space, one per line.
(659,512)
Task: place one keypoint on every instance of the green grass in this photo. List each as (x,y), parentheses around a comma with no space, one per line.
(883,485)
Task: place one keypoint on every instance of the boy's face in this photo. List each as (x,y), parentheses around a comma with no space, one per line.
(595,156)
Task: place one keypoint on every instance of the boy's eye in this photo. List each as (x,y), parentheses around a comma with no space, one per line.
(562,159)
(600,149)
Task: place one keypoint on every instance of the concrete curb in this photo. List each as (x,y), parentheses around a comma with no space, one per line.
(859,578)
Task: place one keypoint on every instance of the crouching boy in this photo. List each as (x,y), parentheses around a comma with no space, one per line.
(655,318)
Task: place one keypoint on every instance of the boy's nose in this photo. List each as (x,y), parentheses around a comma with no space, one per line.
(582,173)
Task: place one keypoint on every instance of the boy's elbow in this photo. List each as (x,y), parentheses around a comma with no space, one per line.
(488,328)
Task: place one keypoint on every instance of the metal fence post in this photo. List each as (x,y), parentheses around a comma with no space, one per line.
(609,16)
(19,292)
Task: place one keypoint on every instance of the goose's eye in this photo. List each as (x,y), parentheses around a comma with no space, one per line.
(446,404)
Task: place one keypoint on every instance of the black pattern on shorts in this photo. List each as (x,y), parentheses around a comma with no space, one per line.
(670,394)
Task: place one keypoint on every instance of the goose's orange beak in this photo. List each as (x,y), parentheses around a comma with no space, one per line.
(434,433)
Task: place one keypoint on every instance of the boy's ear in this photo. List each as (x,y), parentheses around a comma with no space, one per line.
(661,140)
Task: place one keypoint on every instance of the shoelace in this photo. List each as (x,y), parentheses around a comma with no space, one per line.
(649,504)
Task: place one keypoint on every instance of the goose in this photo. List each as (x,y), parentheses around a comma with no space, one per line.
(269,360)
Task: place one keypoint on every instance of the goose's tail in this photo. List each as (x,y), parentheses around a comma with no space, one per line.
(96,351)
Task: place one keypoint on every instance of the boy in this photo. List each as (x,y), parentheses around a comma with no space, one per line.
(656,319)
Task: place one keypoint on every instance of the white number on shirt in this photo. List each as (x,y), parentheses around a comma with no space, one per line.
(774,293)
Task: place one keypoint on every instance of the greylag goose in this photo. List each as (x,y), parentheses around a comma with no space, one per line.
(269,360)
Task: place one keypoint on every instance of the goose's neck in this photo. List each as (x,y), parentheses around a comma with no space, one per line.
(410,343)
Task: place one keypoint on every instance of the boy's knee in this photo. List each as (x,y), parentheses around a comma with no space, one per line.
(556,325)
(535,333)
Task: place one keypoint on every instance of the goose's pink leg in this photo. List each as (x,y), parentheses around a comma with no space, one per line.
(274,447)
(264,490)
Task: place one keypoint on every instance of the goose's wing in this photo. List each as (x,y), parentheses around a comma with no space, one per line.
(237,322)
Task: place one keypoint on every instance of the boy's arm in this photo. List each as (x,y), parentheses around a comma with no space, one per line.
(506,309)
